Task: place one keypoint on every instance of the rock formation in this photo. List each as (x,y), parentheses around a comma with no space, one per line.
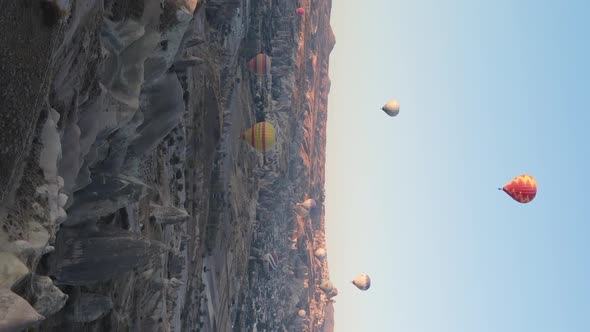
(16,314)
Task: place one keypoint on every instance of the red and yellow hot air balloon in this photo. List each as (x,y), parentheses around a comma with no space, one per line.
(522,188)
(261,136)
(260,64)
(300,11)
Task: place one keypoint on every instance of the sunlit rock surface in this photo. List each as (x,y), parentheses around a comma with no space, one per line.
(16,314)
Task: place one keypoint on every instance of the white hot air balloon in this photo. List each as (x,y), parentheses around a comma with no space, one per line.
(362,282)
(304,207)
(320,253)
(391,108)
(301,211)
(308,203)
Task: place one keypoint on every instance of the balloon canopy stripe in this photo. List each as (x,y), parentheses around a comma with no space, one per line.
(259,64)
(260,136)
(263,136)
(522,188)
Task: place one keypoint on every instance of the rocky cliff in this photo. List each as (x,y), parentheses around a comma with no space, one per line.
(129,201)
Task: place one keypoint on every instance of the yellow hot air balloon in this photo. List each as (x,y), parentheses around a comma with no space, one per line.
(362,282)
(261,136)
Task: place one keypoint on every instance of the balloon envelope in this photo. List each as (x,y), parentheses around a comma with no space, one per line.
(260,64)
(326,286)
(362,282)
(261,136)
(300,11)
(391,108)
(522,188)
(320,253)
(308,203)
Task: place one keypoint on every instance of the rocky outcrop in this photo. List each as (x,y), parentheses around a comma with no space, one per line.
(95,81)
(16,314)
(29,54)
(101,258)
(48,298)
(87,307)
(329,318)
(166,215)
(11,269)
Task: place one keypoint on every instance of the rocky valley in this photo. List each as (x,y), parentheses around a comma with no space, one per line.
(130,200)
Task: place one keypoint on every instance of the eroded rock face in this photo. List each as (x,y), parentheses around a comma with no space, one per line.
(123,102)
(91,119)
(88,307)
(166,215)
(16,314)
(94,259)
(23,87)
(48,298)
(11,269)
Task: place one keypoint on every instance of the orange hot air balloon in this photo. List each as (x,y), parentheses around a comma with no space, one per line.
(522,188)
(300,11)
(261,136)
(260,64)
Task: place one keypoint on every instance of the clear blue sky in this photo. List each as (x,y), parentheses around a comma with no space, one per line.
(488,90)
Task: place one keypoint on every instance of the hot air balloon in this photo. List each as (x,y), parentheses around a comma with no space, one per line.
(301,313)
(261,136)
(260,64)
(362,282)
(300,11)
(391,108)
(522,188)
(326,286)
(308,203)
(320,253)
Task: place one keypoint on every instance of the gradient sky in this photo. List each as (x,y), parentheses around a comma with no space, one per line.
(488,90)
